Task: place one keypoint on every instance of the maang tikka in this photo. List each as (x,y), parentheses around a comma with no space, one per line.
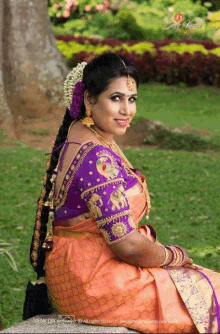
(130,81)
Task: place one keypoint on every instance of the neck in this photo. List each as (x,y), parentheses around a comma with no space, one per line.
(106,135)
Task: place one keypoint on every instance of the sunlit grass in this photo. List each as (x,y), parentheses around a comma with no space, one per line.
(184,190)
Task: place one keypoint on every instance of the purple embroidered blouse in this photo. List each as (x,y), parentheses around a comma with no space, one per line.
(96,181)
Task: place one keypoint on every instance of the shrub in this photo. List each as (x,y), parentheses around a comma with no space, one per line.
(191,64)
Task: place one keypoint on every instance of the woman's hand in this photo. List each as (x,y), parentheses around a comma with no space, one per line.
(188,261)
(192,266)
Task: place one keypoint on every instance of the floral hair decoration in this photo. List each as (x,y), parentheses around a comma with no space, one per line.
(73,89)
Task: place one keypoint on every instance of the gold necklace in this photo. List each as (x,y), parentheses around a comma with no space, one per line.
(114,148)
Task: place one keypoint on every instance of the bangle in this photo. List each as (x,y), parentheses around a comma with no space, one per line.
(172,255)
(174,259)
(184,254)
(166,256)
(177,256)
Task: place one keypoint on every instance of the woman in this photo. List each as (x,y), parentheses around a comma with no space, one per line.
(103,268)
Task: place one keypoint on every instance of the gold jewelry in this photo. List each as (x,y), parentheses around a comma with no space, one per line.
(130,81)
(127,166)
(88,121)
(166,256)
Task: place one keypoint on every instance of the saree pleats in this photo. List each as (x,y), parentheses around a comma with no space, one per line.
(88,282)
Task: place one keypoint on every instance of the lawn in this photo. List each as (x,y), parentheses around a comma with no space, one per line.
(196,107)
(184,189)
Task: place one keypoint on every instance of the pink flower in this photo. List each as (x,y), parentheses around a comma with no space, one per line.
(87,8)
(66,13)
(106,3)
(56,6)
(171,9)
(99,7)
(209,15)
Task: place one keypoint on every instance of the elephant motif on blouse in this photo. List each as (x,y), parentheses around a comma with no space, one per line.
(117,198)
(93,206)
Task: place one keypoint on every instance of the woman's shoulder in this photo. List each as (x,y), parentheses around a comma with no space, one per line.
(90,144)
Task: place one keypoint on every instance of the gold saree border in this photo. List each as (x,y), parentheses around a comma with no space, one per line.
(197,296)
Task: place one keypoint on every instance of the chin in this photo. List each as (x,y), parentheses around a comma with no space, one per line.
(120,132)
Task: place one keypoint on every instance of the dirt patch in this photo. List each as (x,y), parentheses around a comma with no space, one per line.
(41,133)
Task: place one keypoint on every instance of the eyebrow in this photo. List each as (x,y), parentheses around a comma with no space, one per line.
(123,94)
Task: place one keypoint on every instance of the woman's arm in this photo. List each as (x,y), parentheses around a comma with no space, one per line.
(138,250)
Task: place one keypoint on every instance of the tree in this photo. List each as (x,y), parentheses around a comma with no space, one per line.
(32,70)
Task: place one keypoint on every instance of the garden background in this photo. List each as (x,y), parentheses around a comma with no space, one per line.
(174,140)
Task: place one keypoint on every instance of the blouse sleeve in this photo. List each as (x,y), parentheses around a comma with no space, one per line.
(101,183)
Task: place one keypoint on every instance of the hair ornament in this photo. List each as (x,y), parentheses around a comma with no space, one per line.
(130,81)
(73,89)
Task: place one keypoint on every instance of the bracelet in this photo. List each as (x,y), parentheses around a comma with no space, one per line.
(166,256)
(172,255)
(174,258)
(184,254)
(177,256)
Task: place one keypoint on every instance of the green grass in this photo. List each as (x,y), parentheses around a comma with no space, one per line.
(179,106)
(184,192)
(184,188)
(39,132)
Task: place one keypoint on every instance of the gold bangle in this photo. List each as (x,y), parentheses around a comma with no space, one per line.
(179,257)
(176,257)
(166,256)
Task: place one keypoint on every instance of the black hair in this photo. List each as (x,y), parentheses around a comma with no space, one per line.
(97,76)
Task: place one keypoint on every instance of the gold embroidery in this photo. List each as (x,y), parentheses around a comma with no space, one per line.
(59,202)
(108,154)
(117,197)
(113,217)
(122,238)
(93,207)
(119,229)
(106,168)
(131,222)
(102,185)
(105,234)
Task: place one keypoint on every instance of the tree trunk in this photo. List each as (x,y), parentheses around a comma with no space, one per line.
(32,70)
(6,119)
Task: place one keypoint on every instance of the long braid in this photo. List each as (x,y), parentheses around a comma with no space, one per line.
(97,76)
(37,254)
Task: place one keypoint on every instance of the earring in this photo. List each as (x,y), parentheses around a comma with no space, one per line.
(88,121)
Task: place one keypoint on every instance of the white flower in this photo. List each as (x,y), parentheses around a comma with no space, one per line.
(72,78)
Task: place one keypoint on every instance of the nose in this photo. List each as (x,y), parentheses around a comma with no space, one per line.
(125,109)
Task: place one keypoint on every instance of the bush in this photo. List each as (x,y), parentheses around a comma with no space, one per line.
(191,64)
(182,48)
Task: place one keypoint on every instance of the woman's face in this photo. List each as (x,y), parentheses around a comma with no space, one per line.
(116,103)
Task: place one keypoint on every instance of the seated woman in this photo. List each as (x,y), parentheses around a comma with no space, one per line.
(101,266)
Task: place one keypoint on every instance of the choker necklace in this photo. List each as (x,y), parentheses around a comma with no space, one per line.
(126,164)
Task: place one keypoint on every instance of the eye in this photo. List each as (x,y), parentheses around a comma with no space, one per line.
(113,98)
(132,99)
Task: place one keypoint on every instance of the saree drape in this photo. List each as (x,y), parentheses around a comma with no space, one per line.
(88,282)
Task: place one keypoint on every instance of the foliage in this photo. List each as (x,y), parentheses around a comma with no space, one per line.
(173,63)
(134,20)
(182,186)
(5,248)
(182,48)
(216,51)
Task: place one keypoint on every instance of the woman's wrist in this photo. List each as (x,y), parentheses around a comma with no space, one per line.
(177,258)
(169,256)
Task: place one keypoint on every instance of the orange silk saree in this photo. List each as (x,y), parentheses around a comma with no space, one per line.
(88,282)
